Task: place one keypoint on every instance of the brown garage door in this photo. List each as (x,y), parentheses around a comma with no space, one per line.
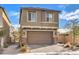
(42,37)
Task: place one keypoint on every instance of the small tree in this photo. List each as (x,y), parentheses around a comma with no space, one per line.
(72,24)
(75,33)
(18,36)
(22,33)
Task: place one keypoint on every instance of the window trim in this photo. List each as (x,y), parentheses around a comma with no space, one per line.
(46,14)
(28,17)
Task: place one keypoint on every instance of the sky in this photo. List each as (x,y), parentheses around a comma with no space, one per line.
(68,11)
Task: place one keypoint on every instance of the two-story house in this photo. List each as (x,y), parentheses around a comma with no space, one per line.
(4,27)
(39,25)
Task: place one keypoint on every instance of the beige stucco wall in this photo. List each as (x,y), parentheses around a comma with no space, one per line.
(40,19)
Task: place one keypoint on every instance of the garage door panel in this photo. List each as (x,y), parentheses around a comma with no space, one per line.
(39,37)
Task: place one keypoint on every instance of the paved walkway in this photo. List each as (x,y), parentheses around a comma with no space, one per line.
(11,50)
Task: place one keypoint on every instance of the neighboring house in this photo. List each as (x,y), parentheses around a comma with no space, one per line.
(4,25)
(39,25)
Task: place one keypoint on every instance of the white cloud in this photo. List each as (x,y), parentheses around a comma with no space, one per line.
(70,15)
(62,15)
(77,11)
(16,26)
(14,14)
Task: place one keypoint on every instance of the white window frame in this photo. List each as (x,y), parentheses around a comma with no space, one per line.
(28,17)
(46,13)
(48,17)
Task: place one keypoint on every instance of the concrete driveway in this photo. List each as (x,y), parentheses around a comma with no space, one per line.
(57,49)
(46,48)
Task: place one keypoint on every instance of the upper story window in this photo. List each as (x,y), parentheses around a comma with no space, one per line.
(49,17)
(32,16)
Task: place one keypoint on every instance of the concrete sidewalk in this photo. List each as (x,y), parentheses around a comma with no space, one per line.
(11,50)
